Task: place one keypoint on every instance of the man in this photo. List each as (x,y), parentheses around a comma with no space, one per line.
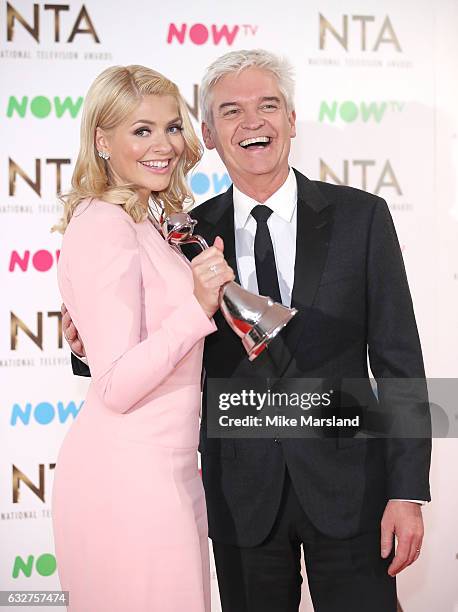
(332,253)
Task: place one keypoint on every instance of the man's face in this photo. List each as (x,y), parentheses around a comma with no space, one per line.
(251,128)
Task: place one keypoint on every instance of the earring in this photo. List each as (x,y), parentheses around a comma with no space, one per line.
(104,155)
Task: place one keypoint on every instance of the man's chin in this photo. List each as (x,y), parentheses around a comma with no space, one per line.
(259,168)
(261,171)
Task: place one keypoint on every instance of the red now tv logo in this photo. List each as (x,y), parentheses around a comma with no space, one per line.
(199,34)
(42,260)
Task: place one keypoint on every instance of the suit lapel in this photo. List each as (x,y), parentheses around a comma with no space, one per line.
(220,216)
(314,224)
(225,229)
(314,216)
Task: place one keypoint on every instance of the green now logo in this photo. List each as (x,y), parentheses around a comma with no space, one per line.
(45,565)
(349,111)
(41,106)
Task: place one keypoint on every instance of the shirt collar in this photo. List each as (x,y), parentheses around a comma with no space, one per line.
(282,202)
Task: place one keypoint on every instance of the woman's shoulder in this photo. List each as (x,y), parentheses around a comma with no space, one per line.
(98,222)
(96,209)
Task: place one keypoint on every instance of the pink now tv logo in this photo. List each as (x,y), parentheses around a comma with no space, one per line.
(41,260)
(200,34)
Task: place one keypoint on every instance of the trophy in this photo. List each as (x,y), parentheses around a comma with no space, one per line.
(254,318)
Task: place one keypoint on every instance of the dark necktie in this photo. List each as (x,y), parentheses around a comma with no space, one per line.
(266,270)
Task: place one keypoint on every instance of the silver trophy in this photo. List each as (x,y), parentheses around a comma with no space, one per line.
(254,318)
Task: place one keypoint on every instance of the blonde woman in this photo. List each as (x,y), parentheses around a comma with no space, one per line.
(129,513)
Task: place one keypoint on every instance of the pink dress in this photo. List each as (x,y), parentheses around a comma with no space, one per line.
(129,513)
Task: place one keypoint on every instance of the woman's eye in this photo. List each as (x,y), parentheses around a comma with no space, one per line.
(175,129)
(142,132)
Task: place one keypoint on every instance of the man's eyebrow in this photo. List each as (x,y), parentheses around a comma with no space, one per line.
(263,99)
(225,104)
(271,99)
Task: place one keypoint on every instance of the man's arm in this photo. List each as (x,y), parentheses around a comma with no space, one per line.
(79,367)
(396,360)
(395,354)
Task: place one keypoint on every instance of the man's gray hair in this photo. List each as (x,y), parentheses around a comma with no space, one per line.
(235,62)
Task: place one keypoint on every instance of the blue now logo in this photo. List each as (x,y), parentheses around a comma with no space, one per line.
(213,184)
(44,413)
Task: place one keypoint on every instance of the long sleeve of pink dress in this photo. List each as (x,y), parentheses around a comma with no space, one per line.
(128,507)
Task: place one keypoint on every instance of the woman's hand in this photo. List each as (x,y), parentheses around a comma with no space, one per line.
(210,271)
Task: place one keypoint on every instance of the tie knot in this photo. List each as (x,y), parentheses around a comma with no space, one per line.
(261,213)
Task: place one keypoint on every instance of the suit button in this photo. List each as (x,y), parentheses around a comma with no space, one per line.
(277,441)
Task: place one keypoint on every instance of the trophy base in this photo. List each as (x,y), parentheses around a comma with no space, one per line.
(273,320)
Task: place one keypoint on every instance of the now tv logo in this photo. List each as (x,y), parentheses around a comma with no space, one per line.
(44,413)
(41,260)
(200,34)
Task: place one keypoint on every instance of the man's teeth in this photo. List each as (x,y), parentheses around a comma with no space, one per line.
(156,164)
(259,139)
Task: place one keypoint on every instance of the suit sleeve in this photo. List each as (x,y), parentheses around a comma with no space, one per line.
(107,287)
(79,368)
(396,361)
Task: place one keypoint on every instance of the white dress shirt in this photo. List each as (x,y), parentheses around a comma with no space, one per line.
(282,225)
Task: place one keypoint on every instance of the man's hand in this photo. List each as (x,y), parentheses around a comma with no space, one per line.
(404,519)
(71,333)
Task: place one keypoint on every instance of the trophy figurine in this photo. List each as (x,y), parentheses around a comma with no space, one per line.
(254,318)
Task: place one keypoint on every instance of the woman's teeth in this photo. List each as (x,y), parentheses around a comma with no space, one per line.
(156,164)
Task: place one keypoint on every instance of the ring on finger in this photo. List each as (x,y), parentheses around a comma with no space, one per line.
(214,269)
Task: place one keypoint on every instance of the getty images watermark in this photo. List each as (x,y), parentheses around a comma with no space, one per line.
(310,408)
(254,400)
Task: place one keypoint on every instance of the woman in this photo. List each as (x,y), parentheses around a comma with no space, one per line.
(128,506)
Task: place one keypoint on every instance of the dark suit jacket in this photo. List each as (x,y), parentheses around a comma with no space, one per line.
(351,291)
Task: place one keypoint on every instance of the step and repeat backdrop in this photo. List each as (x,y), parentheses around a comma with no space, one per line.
(377,108)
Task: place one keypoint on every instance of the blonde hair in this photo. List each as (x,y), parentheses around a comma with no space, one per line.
(112,96)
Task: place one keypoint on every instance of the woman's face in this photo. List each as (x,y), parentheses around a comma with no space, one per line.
(146,147)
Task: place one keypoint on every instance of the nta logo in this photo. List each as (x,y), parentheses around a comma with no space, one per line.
(17,324)
(41,106)
(199,34)
(349,111)
(361,176)
(35,183)
(82,24)
(38,490)
(364,29)
(44,413)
